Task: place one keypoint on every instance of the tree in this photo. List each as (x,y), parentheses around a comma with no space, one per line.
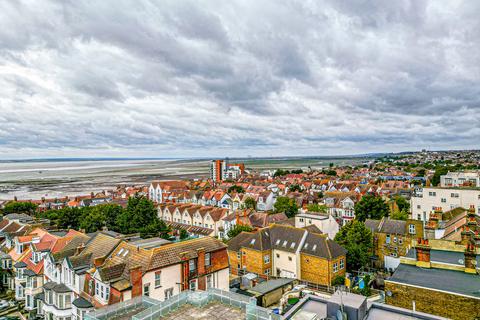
(237,189)
(439,171)
(286,205)
(236,230)
(93,219)
(338,280)
(317,208)
(68,217)
(280,172)
(20,207)
(250,203)
(141,216)
(399,215)
(356,238)
(111,212)
(295,187)
(402,204)
(371,207)
(183,234)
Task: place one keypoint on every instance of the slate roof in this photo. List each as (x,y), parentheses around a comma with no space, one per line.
(287,238)
(320,246)
(386,225)
(82,303)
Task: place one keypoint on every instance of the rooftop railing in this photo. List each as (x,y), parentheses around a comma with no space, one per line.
(149,309)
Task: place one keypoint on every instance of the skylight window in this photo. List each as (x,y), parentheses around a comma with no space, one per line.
(305,246)
(252,242)
(284,243)
(120,252)
(314,247)
(292,245)
(126,252)
(278,242)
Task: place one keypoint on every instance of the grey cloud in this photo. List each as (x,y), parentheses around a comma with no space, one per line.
(199,78)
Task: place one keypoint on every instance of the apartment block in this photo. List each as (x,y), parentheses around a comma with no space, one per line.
(429,199)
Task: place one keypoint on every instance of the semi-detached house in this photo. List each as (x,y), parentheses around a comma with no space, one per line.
(287,252)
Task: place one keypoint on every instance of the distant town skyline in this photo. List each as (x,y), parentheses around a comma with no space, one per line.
(193,79)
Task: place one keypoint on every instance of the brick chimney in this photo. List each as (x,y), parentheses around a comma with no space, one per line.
(470,258)
(423,253)
(201,269)
(466,235)
(136,281)
(201,261)
(472,219)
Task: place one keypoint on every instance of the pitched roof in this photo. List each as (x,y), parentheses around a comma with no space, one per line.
(175,252)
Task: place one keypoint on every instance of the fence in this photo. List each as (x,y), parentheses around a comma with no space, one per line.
(144,308)
(123,308)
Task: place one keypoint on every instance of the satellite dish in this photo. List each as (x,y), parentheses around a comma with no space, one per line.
(389,293)
(461,261)
(474,262)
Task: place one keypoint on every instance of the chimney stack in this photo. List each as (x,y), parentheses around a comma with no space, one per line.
(470,258)
(466,235)
(423,253)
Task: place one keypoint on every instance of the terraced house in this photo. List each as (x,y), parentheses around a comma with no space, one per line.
(65,272)
(157,269)
(288,252)
(196,219)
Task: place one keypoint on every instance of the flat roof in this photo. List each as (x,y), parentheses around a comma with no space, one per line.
(450,257)
(270,285)
(438,279)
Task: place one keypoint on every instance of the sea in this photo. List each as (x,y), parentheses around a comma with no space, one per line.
(50,178)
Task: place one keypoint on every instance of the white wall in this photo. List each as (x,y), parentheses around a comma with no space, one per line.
(170,278)
(288,268)
(432,197)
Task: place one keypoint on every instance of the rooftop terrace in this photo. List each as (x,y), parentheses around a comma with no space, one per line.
(198,305)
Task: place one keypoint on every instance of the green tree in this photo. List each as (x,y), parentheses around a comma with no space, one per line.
(280,172)
(111,212)
(439,171)
(371,207)
(356,238)
(237,189)
(67,217)
(399,215)
(402,204)
(295,188)
(20,207)
(250,203)
(183,234)
(141,216)
(93,219)
(286,205)
(338,280)
(317,208)
(236,230)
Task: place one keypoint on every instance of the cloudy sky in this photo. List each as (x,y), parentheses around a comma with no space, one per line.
(235,78)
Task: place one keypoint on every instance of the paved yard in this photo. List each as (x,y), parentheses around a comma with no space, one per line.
(212,311)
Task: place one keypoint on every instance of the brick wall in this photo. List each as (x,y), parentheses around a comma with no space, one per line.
(434,302)
(251,260)
(318,270)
